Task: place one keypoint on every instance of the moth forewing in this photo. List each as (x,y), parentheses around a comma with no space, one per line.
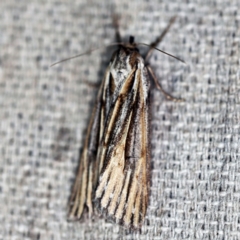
(88,170)
(122,191)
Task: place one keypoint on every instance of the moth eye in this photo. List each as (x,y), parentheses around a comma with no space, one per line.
(112,85)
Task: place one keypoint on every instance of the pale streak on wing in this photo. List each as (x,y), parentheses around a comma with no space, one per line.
(117,191)
(137,213)
(135,194)
(79,189)
(121,206)
(115,169)
(90,189)
(86,179)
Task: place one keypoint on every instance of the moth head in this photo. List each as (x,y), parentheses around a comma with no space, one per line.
(131,45)
(126,56)
(128,49)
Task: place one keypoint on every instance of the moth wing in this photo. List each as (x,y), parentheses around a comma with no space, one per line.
(122,191)
(88,170)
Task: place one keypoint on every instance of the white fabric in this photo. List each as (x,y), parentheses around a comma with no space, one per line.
(45,112)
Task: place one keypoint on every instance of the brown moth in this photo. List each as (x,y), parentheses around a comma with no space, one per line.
(114,170)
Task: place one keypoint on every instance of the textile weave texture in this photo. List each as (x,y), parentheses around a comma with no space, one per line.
(195,176)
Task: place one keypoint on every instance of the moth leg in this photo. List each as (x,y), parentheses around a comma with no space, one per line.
(91,84)
(159,39)
(115,19)
(158,85)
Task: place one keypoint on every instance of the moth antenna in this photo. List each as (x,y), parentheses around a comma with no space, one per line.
(131,40)
(144,44)
(87,52)
(115,21)
(160,38)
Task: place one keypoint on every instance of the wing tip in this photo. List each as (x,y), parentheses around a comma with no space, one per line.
(122,221)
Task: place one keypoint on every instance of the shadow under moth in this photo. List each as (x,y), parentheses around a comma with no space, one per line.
(114,170)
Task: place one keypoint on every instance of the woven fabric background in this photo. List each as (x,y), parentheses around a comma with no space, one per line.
(195,190)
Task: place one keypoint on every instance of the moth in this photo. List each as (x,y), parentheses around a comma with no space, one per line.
(114,169)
